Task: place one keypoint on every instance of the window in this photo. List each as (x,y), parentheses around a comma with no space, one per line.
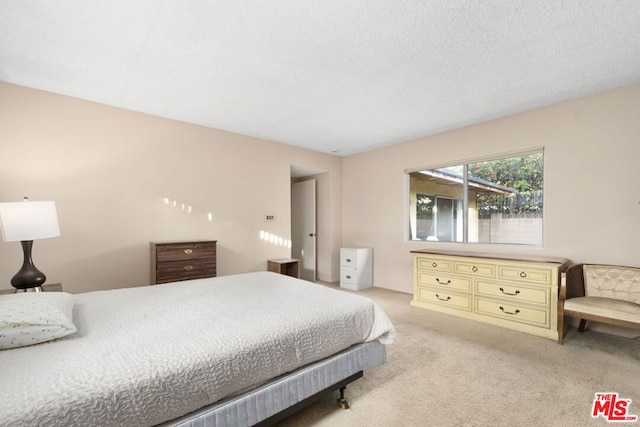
(499,200)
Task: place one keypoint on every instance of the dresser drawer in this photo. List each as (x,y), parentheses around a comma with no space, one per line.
(475,269)
(185,251)
(513,312)
(527,274)
(444,281)
(535,295)
(437,264)
(348,275)
(185,270)
(444,298)
(349,258)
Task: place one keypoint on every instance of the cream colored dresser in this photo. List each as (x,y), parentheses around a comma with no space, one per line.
(518,293)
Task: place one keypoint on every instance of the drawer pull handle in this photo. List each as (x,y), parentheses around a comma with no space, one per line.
(434,264)
(509,312)
(523,274)
(348,277)
(443,283)
(445,299)
(348,259)
(474,269)
(507,293)
(188,267)
(188,251)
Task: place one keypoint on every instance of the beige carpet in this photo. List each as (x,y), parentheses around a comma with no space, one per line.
(447,371)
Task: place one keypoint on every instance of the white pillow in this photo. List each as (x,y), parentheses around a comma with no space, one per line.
(28,318)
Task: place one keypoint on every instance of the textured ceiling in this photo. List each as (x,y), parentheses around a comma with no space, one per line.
(327,75)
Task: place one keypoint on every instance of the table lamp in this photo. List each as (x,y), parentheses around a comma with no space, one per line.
(27,221)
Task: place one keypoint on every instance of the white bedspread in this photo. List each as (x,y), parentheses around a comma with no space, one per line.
(146,355)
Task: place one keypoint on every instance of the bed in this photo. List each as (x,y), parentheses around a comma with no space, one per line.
(227,351)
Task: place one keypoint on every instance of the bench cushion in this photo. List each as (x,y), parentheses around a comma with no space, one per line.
(607,281)
(605,307)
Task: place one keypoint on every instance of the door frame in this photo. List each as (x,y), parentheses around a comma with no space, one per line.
(304,227)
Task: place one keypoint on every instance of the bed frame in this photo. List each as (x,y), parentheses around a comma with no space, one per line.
(279,398)
(342,402)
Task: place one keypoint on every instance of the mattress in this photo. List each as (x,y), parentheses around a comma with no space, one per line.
(144,356)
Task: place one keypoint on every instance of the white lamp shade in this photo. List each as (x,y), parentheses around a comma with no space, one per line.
(28,220)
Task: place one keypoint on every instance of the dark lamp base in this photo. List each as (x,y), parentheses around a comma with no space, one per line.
(28,276)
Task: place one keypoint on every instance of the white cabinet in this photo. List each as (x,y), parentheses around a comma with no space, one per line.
(356,268)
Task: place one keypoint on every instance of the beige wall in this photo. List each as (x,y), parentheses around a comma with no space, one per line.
(109,171)
(592,172)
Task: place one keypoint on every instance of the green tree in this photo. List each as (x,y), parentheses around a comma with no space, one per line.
(523,174)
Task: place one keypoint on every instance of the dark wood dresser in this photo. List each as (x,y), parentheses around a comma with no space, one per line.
(182,260)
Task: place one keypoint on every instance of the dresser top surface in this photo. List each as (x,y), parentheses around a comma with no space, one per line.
(170,242)
(283,260)
(474,254)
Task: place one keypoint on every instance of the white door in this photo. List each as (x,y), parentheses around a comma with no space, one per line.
(303,227)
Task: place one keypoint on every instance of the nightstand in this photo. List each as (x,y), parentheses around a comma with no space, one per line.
(286,266)
(47,287)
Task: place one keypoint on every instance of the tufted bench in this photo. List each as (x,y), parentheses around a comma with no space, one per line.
(600,293)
